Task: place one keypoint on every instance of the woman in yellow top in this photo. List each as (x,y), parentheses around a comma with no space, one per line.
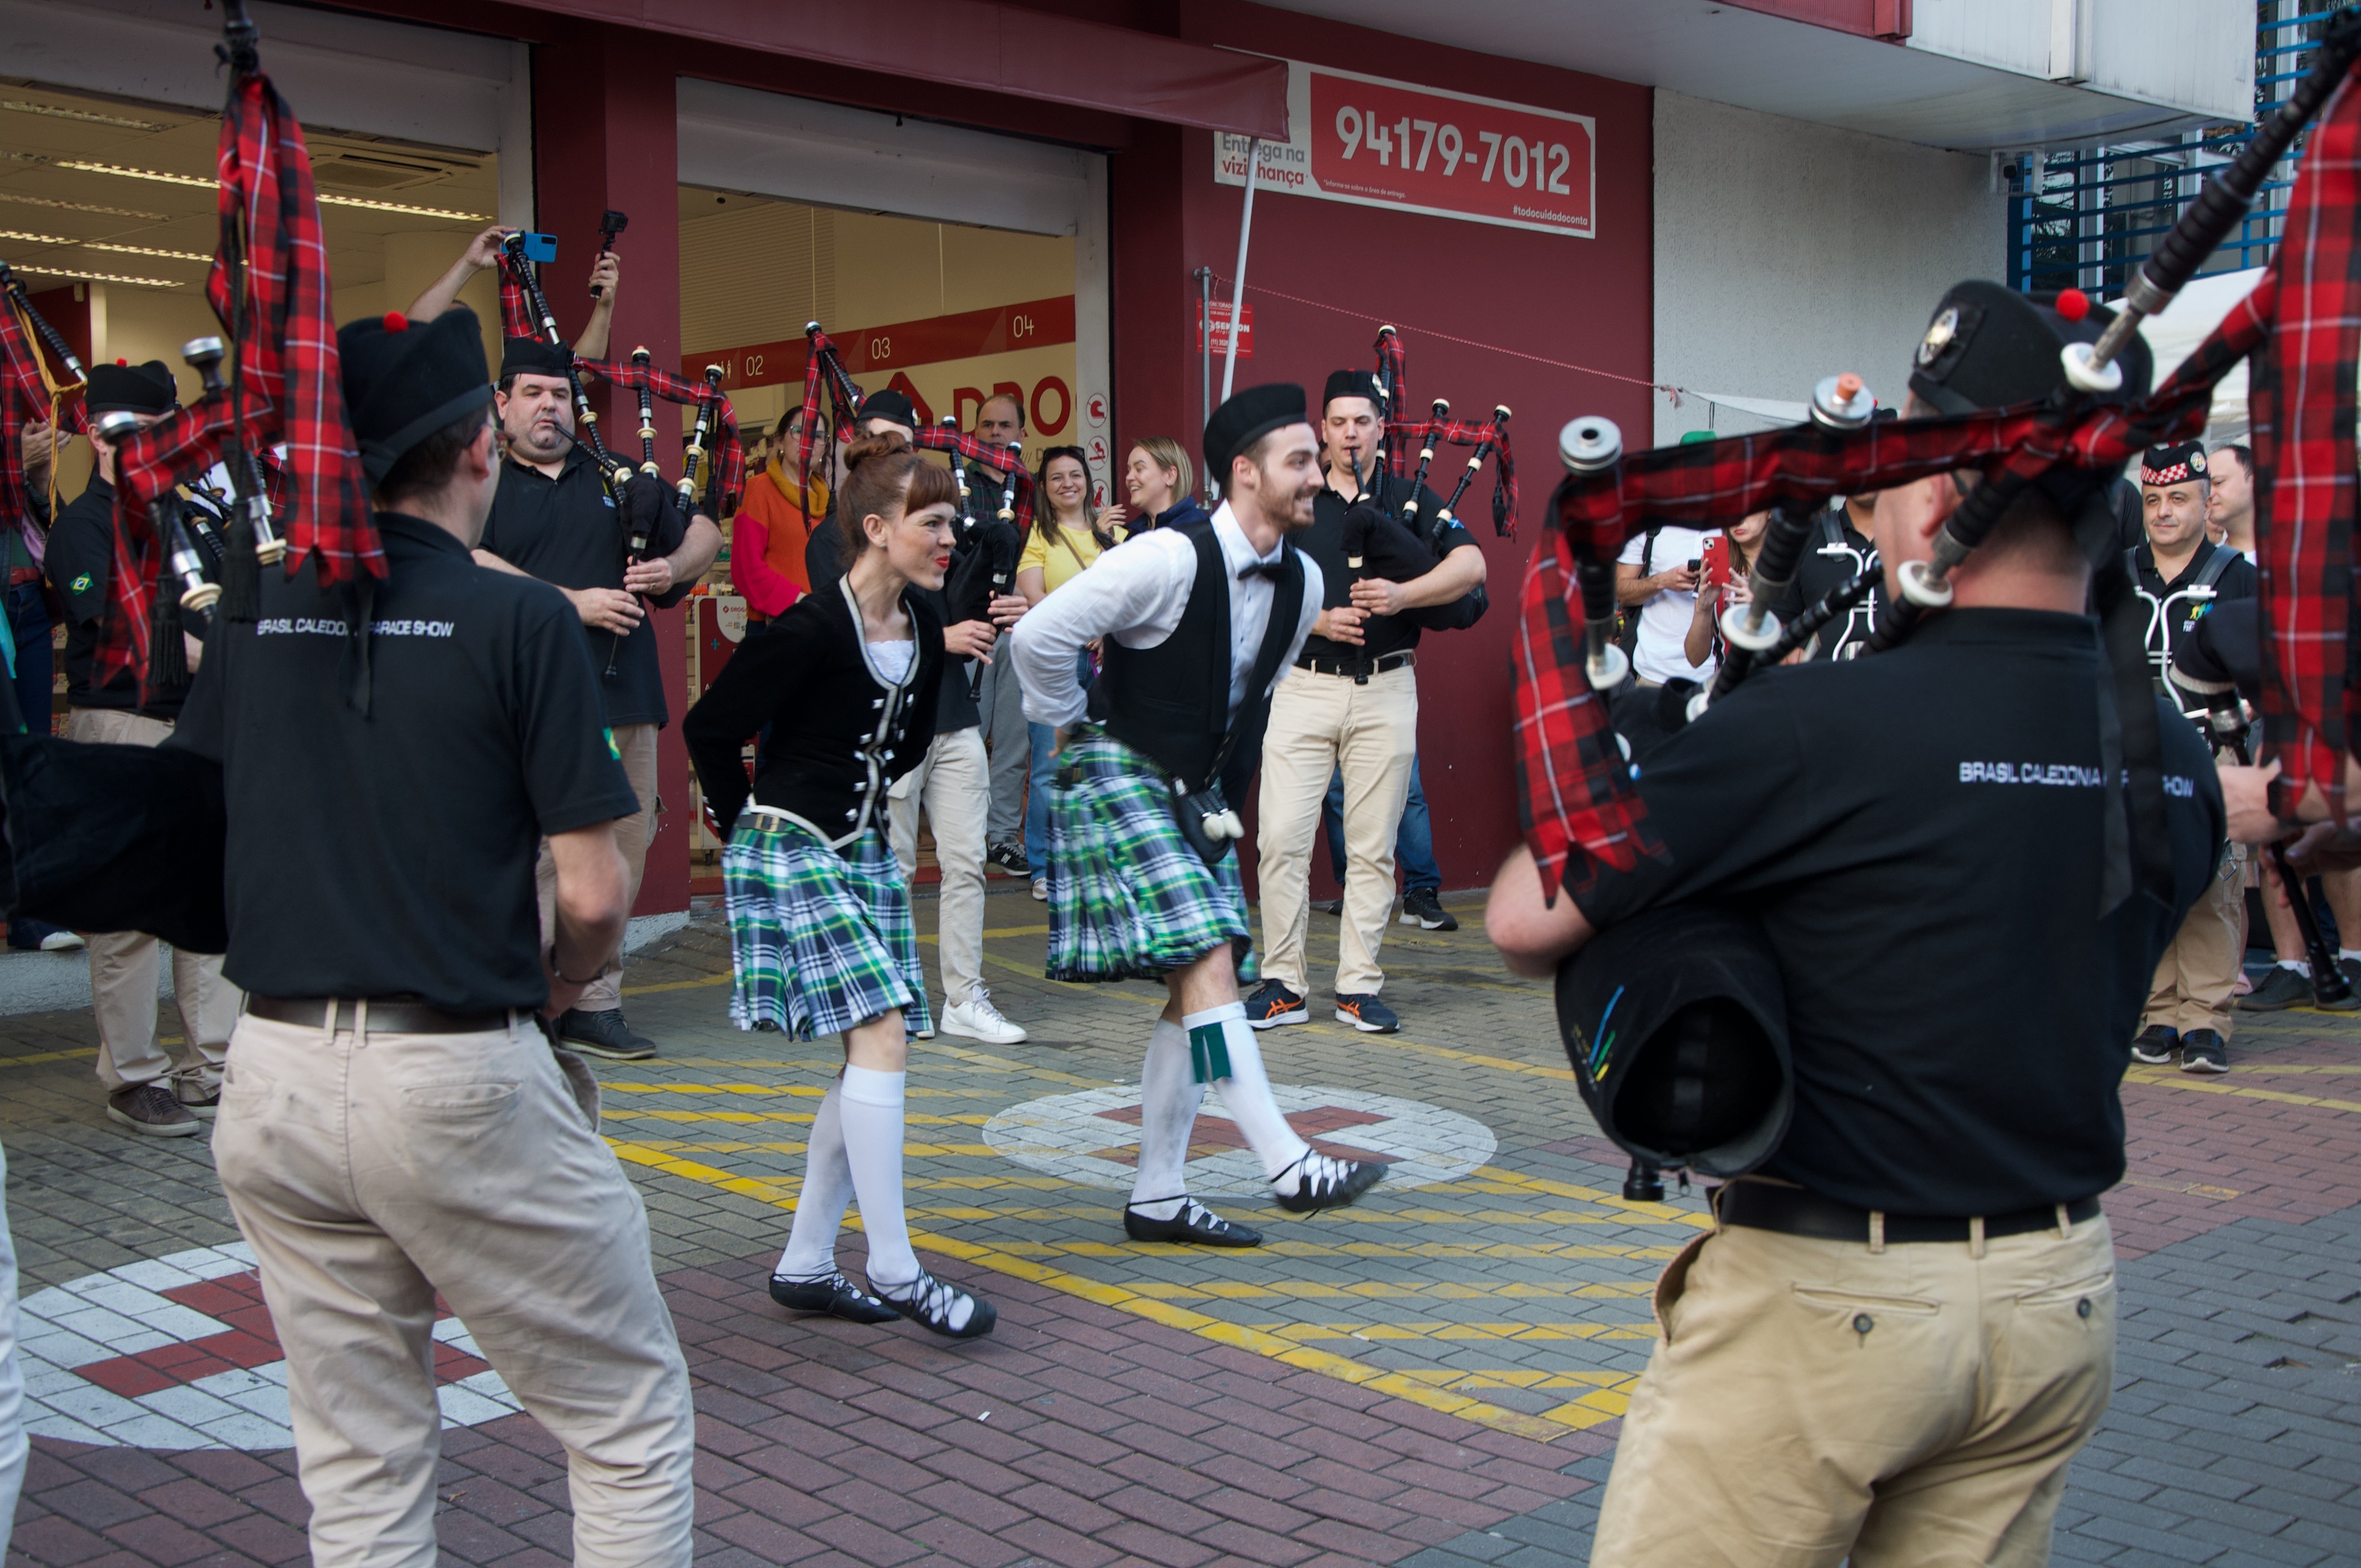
(1060,546)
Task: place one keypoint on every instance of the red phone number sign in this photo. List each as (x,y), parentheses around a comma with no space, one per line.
(1377,143)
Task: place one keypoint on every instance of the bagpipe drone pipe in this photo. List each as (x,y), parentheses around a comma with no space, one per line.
(1400,542)
(1581,810)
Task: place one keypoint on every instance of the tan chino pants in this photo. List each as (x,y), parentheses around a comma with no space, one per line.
(124,965)
(1911,1408)
(1320,723)
(636,744)
(367,1171)
(954,786)
(2198,976)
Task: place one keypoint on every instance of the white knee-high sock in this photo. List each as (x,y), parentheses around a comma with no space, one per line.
(1222,1047)
(873,1148)
(819,1207)
(1168,1097)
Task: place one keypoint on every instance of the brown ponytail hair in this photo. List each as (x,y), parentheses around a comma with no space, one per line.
(885,477)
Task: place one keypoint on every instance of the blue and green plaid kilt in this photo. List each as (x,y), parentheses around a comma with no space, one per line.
(1128,898)
(820,941)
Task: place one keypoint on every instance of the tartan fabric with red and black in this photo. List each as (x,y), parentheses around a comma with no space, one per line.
(269,286)
(1406,436)
(723,446)
(824,368)
(516,316)
(24,399)
(1573,791)
(943,438)
(1394,375)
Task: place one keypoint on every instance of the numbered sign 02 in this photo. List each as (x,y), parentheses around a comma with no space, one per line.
(1469,157)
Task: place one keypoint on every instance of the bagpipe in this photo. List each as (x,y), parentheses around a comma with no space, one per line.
(1390,539)
(984,549)
(27,384)
(1575,792)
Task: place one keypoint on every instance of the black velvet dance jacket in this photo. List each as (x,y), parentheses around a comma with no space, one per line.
(840,733)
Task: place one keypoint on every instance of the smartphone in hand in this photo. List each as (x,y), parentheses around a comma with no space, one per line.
(1716,569)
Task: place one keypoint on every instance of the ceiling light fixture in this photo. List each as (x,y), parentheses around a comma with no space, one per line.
(31,238)
(86,166)
(54,112)
(98,277)
(84,207)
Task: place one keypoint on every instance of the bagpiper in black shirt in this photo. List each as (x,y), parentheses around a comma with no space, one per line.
(567,532)
(79,560)
(1920,833)
(1324,543)
(391,853)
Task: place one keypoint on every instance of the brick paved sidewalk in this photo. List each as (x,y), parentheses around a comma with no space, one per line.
(1431,1377)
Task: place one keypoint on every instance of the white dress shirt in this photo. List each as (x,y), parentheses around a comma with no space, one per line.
(1136,593)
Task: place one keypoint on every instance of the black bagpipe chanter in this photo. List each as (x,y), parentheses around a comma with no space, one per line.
(1394,539)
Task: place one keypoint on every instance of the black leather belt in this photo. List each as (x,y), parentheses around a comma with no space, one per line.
(388,1015)
(1792,1211)
(1322,664)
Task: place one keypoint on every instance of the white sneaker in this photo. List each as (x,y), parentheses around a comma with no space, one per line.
(977,1019)
(1040,890)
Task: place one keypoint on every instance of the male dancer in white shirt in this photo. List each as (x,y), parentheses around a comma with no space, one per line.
(1196,623)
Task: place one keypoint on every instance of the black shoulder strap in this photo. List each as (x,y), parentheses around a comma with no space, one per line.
(1286,609)
(1831,531)
(2217,564)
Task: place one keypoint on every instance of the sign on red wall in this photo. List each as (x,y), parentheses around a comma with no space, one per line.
(1388,144)
(1222,329)
(965,334)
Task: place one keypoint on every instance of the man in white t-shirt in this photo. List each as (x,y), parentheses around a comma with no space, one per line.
(1658,573)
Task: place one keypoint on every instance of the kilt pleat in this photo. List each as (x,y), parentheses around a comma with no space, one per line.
(819,941)
(1128,898)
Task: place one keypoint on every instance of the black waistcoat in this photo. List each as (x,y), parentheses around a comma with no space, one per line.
(1171,702)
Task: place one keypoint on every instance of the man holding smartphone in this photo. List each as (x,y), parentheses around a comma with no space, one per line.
(1657,574)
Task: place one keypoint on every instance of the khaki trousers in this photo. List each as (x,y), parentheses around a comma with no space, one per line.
(2196,979)
(954,784)
(637,745)
(1320,723)
(126,965)
(369,1171)
(1913,1407)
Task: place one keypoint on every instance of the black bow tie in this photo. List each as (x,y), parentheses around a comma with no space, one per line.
(1274,570)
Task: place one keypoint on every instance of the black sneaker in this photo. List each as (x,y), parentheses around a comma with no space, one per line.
(1273,1005)
(1328,906)
(833,1294)
(1322,1181)
(1422,907)
(932,1304)
(2334,992)
(2155,1043)
(603,1034)
(2281,989)
(149,1109)
(2351,970)
(1366,1012)
(1194,1225)
(1009,860)
(2201,1050)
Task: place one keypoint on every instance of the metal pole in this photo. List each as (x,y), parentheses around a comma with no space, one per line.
(1238,284)
(1205,359)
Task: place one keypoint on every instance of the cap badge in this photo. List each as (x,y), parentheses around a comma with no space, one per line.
(1940,334)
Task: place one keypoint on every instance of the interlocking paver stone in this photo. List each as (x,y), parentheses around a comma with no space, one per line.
(1430,1377)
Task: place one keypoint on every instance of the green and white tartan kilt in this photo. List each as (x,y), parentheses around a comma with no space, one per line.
(1128,898)
(820,941)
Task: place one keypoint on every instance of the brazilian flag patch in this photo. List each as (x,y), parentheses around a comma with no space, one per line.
(79,585)
(612,750)
(1209,1053)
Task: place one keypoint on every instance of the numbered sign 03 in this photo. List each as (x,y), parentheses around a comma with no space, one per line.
(1377,143)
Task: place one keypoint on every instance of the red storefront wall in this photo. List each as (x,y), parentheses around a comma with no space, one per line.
(605,135)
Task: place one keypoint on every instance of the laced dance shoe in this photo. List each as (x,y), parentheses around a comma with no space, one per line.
(1324,1183)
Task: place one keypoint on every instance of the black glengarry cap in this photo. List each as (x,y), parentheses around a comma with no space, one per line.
(1353,384)
(1987,347)
(2174,465)
(1247,418)
(532,357)
(404,380)
(146,389)
(887,403)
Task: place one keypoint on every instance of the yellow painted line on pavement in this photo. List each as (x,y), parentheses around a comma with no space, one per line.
(2168,1078)
(676,1146)
(2263,1064)
(802,1091)
(61,1055)
(1573,1416)
(722,979)
(1002,1064)
(1389,1290)
(915,1118)
(1373,1334)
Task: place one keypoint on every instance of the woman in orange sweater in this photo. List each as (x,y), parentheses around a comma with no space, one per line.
(767,536)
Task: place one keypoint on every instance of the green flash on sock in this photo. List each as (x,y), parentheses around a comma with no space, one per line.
(1209,1053)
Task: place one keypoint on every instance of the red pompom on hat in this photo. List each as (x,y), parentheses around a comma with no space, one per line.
(120,360)
(2073,304)
(396,322)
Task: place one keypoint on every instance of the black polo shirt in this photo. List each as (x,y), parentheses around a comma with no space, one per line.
(2237,581)
(566,532)
(80,563)
(1920,833)
(1324,543)
(392,853)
